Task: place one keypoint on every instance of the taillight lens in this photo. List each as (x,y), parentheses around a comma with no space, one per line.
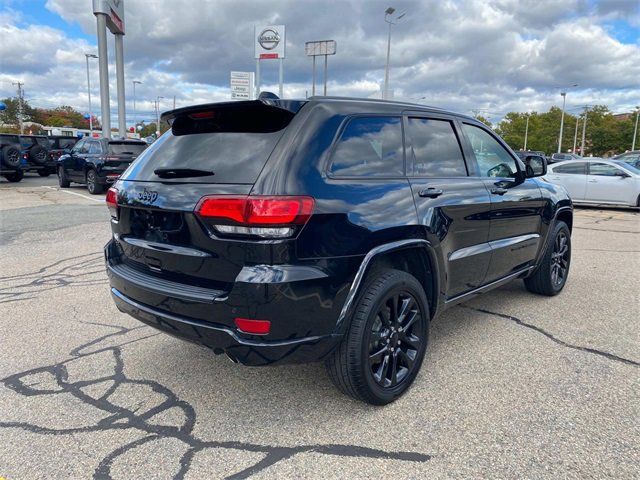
(112,202)
(261,216)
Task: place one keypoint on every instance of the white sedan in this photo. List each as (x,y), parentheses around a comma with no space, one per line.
(598,181)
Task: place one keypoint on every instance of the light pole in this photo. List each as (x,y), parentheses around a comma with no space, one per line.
(87,57)
(526,133)
(575,134)
(391,21)
(158,116)
(134,101)
(584,130)
(564,99)
(635,130)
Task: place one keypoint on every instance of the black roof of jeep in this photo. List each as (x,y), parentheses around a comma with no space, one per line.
(344,105)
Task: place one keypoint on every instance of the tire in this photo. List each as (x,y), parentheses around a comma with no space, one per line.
(63,181)
(551,275)
(15,176)
(44,173)
(349,364)
(38,154)
(93,186)
(11,156)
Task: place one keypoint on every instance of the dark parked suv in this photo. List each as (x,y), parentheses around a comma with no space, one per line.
(35,153)
(329,229)
(97,162)
(11,166)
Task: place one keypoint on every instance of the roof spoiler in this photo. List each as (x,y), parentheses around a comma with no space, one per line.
(266,99)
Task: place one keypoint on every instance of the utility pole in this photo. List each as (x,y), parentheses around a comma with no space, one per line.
(584,130)
(635,130)
(575,135)
(20,94)
(174,102)
(526,133)
(87,57)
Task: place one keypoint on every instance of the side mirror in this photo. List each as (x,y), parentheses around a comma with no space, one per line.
(66,151)
(535,166)
(621,174)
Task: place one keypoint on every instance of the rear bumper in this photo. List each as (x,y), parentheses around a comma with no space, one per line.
(301,302)
(222,339)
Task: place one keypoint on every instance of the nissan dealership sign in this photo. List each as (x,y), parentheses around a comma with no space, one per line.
(270,42)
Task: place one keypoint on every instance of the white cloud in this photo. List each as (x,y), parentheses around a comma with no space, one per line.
(496,55)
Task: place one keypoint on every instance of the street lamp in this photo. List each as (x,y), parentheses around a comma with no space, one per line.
(134,101)
(87,57)
(526,133)
(158,116)
(635,130)
(564,99)
(391,21)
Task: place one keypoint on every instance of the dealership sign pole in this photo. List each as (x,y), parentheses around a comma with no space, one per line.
(110,14)
(270,45)
(315,49)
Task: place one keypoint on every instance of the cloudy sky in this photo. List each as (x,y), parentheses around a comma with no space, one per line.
(490,55)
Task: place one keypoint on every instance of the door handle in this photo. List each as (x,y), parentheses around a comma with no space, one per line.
(499,190)
(430,192)
(593,181)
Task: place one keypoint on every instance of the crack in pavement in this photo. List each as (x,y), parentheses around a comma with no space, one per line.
(70,272)
(604,230)
(607,355)
(112,415)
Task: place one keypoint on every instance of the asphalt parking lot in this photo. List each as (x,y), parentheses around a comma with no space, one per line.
(513,386)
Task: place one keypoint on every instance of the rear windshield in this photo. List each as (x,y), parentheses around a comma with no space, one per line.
(62,142)
(233,157)
(126,148)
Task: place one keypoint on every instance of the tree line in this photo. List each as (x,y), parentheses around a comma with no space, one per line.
(605,134)
(63,116)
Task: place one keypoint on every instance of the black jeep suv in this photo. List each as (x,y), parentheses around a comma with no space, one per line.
(35,152)
(328,229)
(97,162)
(11,166)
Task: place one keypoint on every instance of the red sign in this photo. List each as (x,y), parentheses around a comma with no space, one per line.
(268,55)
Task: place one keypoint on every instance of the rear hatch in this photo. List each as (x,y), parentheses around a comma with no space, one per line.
(215,149)
(120,154)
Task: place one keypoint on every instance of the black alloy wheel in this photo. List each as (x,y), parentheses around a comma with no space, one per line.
(394,341)
(560,259)
(92,183)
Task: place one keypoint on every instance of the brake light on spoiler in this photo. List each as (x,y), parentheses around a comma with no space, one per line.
(257,216)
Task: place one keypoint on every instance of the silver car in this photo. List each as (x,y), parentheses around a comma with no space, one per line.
(598,181)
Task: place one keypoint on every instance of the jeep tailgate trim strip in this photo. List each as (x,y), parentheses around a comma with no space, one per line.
(166,287)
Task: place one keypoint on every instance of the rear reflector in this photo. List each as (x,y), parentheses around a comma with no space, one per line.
(112,202)
(255,327)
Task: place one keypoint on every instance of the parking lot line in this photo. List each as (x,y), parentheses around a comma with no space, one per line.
(76,194)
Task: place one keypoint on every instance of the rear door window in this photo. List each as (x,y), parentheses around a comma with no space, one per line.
(572,168)
(369,147)
(435,150)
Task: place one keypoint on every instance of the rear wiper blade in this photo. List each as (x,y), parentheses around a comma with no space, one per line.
(182,172)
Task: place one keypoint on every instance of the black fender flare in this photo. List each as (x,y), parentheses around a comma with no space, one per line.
(357,283)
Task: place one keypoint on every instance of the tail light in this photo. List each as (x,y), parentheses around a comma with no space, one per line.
(112,202)
(258,216)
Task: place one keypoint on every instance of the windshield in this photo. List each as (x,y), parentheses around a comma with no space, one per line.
(628,165)
(126,148)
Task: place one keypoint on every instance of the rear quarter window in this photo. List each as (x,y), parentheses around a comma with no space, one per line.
(369,147)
